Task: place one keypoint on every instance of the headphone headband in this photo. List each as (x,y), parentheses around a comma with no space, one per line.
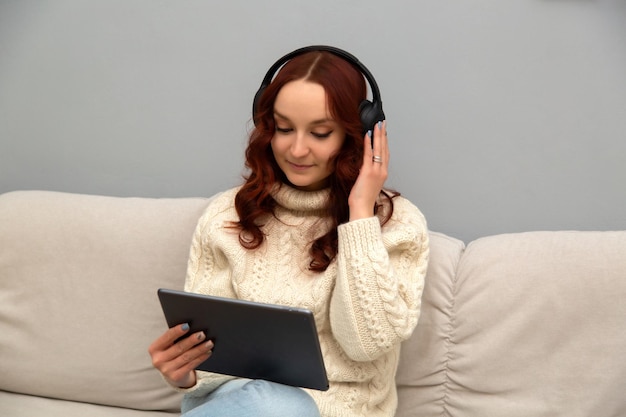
(347,56)
(371,112)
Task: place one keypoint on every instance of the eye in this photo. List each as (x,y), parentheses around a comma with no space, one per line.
(322,135)
(283,129)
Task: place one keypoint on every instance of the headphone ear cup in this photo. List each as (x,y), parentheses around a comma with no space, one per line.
(371,113)
(255,104)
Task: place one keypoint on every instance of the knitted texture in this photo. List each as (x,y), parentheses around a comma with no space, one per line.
(365,303)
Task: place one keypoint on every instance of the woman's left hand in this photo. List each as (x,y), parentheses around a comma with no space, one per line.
(373,173)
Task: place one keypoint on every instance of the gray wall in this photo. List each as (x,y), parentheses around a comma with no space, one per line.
(503,115)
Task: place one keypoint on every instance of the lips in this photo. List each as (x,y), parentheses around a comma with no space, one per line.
(298,166)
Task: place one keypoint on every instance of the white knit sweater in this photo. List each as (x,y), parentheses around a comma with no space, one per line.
(365,303)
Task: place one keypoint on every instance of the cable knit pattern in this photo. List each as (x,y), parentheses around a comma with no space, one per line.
(365,303)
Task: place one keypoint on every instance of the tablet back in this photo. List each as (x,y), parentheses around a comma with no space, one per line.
(252,340)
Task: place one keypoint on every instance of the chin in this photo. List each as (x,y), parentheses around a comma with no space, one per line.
(300,186)
(308,186)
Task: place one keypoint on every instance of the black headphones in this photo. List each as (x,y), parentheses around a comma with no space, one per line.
(371,112)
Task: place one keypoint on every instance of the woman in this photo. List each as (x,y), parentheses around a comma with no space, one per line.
(312,210)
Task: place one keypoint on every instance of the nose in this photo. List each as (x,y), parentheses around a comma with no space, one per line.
(299,147)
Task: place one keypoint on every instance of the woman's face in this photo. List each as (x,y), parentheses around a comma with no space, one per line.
(306,137)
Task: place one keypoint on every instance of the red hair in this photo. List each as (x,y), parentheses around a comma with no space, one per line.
(345,90)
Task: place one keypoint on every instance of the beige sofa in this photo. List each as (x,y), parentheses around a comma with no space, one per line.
(528,324)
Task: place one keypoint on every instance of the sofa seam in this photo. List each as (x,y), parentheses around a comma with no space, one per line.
(448,340)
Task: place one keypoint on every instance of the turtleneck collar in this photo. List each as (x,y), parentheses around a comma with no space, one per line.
(294,199)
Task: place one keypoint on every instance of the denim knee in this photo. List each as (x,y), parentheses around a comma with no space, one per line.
(256,398)
(274,400)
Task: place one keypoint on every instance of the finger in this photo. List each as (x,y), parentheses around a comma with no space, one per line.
(377,140)
(380,155)
(187,361)
(168,338)
(183,346)
(165,349)
(191,358)
(384,143)
(181,353)
(180,372)
(367,146)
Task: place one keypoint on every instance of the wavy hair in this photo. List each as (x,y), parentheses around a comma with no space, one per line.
(345,90)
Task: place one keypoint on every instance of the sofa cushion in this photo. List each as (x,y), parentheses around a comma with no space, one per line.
(21,405)
(538,327)
(78,304)
(422,371)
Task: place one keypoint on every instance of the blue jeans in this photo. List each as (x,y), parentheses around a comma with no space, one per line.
(247,398)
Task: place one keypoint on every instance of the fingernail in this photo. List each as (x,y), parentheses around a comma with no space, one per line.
(380,124)
(209,345)
(200,336)
(185,327)
(369,133)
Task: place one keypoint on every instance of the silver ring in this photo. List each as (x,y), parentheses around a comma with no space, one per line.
(377,159)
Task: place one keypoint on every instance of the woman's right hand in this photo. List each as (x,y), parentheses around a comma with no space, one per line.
(177,360)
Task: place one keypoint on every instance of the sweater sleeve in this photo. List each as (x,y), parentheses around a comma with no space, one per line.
(380,278)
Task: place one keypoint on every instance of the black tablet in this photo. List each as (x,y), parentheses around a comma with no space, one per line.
(252,340)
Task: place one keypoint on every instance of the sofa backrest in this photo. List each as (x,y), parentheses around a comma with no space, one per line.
(531,324)
(527,324)
(78,304)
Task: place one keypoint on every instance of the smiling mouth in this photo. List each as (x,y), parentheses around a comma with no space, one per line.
(298,166)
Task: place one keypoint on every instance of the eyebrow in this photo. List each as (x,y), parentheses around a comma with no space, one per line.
(315,122)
